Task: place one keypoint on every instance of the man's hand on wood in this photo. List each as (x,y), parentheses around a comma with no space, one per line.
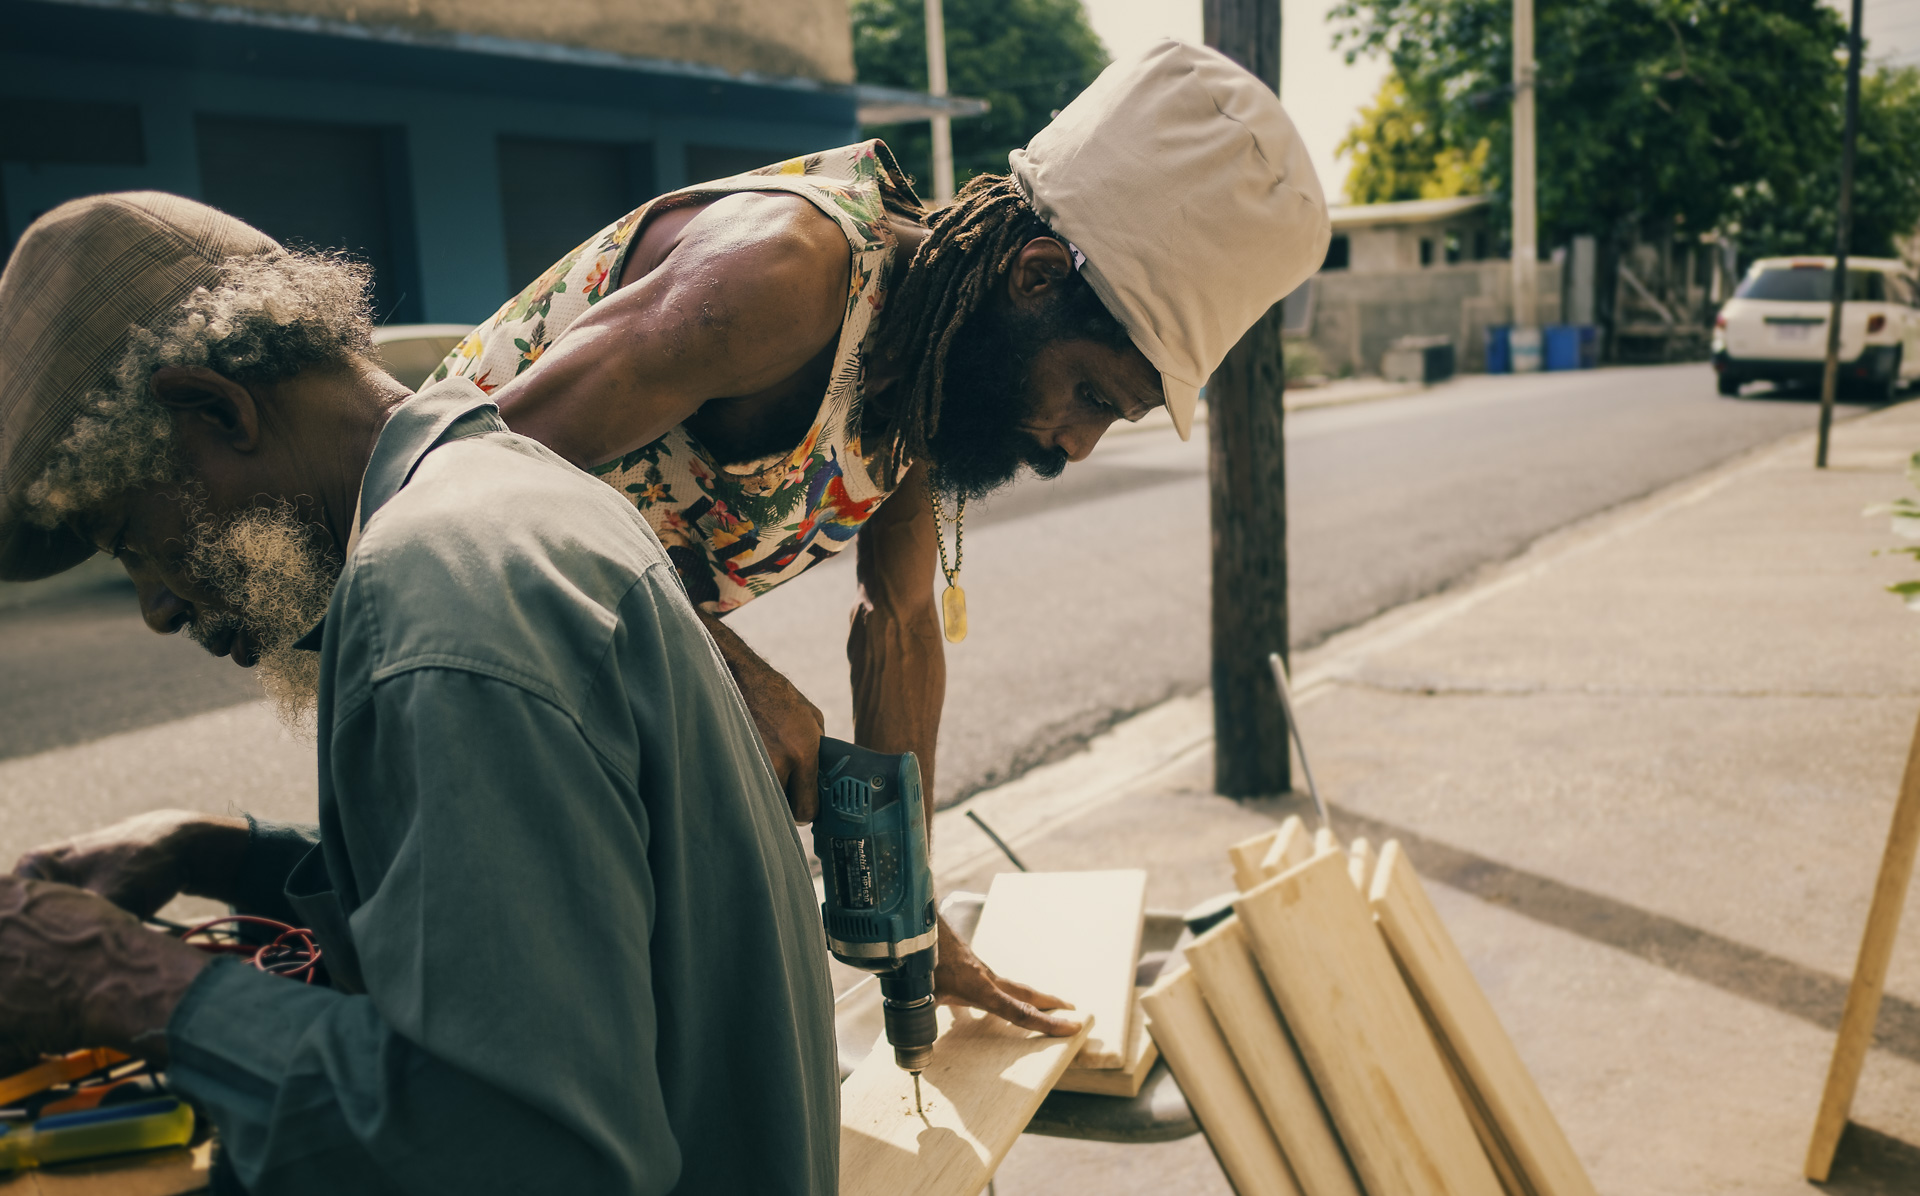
(77,971)
(961,979)
(144,862)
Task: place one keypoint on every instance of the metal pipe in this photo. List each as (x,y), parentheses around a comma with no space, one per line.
(1293,729)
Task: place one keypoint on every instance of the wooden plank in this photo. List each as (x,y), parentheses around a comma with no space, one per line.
(1117,1081)
(1292,845)
(1245,856)
(1366,1046)
(1250,1022)
(1869,972)
(1497,1079)
(1360,864)
(1215,1087)
(1075,935)
(986,1079)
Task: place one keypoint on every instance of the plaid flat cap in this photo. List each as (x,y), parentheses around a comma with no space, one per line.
(81,279)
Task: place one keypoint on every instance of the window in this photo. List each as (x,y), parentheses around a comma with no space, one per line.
(1426,251)
(1480,245)
(319,186)
(708,162)
(1453,247)
(1337,250)
(556,194)
(67,132)
(1812,284)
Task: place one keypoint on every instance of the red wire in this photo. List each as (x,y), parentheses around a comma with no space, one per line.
(293,953)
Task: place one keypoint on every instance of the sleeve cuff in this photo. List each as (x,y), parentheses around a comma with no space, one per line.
(234,1034)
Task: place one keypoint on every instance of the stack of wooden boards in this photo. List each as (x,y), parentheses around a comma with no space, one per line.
(1073,934)
(1332,1041)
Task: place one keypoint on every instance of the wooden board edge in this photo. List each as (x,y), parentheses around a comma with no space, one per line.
(1468,1031)
(1403,1065)
(1214,1087)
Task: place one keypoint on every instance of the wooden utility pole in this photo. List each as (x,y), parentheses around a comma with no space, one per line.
(1830,379)
(1526,237)
(1247,471)
(937,85)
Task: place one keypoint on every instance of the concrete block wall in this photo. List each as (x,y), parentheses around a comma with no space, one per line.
(1357,316)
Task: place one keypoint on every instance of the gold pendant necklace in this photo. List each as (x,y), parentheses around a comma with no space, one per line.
(953,602)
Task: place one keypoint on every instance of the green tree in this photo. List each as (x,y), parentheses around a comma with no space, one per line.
(1398,152)
(1886,184)
(1027,58)
(1682,114)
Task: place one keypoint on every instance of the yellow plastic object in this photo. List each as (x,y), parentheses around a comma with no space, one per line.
(116,1129)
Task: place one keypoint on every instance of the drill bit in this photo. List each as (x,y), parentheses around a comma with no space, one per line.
(916,1095)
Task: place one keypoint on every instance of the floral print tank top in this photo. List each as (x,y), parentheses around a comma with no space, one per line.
(734,531)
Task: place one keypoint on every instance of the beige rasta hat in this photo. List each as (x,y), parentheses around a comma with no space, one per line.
(81,278)
(1182,180)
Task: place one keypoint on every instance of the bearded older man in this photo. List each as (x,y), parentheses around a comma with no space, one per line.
(570,933)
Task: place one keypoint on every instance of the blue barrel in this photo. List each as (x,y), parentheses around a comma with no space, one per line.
(1560,348)
(1499,349)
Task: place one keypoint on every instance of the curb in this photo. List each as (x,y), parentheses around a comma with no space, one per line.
(1138,752)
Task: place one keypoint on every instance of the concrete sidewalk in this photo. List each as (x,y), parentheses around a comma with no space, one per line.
(1649,768)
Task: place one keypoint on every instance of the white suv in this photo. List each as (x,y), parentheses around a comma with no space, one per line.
(1774,328)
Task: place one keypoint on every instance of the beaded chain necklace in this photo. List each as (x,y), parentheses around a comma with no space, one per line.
(953,602)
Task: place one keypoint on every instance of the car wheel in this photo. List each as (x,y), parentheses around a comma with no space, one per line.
(1729,385)
(1888,391)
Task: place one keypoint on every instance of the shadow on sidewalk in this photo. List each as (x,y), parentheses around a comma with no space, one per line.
(1871,1163)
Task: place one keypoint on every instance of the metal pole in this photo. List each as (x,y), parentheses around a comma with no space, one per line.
(1299,741)
(1526,236)
(1830,378)
(937,85)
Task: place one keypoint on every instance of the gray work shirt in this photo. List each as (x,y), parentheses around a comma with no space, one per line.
(574,942)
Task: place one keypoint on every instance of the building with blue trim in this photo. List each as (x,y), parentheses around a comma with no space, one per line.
(459,146)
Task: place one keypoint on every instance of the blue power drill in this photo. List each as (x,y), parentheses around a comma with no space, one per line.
(871,838)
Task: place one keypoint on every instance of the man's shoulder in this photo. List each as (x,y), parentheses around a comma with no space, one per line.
(499,557)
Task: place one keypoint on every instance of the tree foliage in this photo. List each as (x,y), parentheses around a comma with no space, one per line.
(1692,114)
(1398,152)
(1028,58)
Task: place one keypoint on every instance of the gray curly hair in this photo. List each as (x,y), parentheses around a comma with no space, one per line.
(270,317)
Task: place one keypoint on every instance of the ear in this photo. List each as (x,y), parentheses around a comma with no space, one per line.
(1039,270)
(210,405)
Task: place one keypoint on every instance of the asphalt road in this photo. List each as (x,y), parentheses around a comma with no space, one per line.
(1087,595)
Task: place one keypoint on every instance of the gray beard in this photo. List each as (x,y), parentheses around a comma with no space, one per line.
(276,573)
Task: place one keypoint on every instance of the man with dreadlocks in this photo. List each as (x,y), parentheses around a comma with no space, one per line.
(775,365)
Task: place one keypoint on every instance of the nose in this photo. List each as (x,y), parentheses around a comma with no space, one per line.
(1078,439)
(162,609)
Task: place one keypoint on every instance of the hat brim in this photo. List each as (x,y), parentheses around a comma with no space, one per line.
(29,553)
(1182,398)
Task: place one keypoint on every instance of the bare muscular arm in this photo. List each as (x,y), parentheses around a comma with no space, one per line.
(897,657)
(899,667)
(723,302)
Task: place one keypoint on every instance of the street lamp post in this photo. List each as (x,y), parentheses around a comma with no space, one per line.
(937,85)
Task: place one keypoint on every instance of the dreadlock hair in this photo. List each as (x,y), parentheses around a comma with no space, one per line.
(970,246)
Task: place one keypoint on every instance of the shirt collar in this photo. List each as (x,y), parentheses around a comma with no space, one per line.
(414,429)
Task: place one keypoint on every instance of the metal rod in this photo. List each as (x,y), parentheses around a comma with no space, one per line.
(997,840)
(1843,234)
(1293,729)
